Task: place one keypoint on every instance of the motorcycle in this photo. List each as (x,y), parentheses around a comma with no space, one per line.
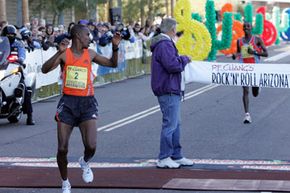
(12,87)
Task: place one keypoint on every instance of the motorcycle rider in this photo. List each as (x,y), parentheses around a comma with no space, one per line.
(17,46)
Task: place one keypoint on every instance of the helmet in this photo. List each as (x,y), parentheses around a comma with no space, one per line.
(8,29)
(24,32)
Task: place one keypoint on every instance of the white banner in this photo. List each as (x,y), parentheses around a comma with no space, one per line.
(34,61)
(239,74)
(133,50)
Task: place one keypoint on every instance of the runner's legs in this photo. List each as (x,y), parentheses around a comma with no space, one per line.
(63,134)
(246,98)
(88,131)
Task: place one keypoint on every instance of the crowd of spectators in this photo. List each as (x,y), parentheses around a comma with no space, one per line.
(39,35)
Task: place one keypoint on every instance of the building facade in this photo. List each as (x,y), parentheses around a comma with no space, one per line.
(20,12)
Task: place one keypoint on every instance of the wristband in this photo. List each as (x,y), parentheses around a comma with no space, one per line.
(115,49)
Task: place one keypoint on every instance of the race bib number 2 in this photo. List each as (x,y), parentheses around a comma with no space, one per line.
(76,77)
(244,51)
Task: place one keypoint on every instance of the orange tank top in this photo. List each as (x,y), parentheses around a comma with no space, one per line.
(245,56)
(77,74)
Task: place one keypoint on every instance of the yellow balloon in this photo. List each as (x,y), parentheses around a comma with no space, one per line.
(196,40)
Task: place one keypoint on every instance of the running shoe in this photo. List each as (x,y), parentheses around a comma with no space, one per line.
(88,175)
(66,187)
(247,118)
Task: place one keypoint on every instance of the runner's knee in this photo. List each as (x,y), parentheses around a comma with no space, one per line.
(255,91)
(90,149)
(62,151)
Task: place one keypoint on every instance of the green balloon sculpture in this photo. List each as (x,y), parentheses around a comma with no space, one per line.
(227,26)
(281,25)
(258,28)
(238,16)
(196,17)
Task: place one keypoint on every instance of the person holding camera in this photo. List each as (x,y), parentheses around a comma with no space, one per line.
(249,50)
(78,106)
(106,35)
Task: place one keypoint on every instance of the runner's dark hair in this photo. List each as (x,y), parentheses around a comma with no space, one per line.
(77,29)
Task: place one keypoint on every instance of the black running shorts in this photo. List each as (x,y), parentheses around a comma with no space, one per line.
(74,110)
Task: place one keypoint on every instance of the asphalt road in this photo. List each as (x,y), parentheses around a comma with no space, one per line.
(212,127)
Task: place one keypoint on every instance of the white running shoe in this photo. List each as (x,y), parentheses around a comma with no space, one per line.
(247,118)
(184,162)
(167,163)
(88,175)
(66,187)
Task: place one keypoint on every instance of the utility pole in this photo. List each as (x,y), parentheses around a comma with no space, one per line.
(3,16)
(142,12)
(150,7)
(73,17)
(25,12)
(172,8)
(96,13)
(120,3)
(110,6)
(88,9)
(167,8)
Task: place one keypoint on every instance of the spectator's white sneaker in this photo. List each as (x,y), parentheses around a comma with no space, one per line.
(247,118)
(167,163)
(66,187)
(88,175)
(184,162)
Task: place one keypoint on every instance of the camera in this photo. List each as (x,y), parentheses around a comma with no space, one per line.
(106,38)
(125,33)
(59,38)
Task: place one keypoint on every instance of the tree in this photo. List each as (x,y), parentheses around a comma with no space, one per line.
(139,10)
(55,7)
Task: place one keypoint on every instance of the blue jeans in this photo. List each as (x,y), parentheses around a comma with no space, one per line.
(170,134)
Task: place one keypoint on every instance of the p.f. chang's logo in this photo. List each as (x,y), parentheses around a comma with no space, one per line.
(232,67)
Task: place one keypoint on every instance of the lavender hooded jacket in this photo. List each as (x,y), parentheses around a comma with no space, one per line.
(166,66)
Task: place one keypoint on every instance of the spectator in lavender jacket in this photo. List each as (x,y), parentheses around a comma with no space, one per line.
(166,75)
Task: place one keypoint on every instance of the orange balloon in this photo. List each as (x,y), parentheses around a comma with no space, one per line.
(228,7)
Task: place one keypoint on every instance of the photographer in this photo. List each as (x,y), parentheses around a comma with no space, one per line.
(126,32)
(107,36)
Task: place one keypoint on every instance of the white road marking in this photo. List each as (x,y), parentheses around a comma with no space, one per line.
(277,57)
(241,164)
(282,49)
(151,110)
